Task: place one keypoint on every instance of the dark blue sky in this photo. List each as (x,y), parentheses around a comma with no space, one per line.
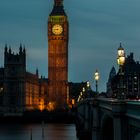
(96,29)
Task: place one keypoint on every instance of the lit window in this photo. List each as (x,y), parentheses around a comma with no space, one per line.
(135,83)
(135,78)
(135,89)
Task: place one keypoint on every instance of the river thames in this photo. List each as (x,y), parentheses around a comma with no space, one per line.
(37,132)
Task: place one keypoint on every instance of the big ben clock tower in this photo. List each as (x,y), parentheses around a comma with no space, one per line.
(58,56)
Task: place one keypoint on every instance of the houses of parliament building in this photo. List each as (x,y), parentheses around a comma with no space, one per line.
(21,90)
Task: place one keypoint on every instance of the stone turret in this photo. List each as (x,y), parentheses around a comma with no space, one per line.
(14,83)
(12,58)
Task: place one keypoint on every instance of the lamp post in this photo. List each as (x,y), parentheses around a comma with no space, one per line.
(121,61)
(97,77)
(88,85)
(83,89)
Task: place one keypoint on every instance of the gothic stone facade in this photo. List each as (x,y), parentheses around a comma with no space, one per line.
(20,90)
(131,79)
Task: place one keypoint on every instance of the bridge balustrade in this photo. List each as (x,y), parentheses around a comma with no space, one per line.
(110,119)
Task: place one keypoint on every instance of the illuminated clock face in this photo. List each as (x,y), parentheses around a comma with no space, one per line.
(57,29)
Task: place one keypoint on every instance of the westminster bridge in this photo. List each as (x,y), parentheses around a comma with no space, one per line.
(108,119)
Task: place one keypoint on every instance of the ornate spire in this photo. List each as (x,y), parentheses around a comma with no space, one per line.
(10,50)
(5,47)
(20,48)
(120,47)
(37,73)
(58,8)
(24,50)
(58,2)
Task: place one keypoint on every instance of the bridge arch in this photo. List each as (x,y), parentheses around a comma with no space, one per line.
(107,128)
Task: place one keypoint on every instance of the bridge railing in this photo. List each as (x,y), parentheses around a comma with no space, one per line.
(124,113)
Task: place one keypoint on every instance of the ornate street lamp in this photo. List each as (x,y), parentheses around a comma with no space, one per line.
(83,89)
(121,61)
(96,77)
(88,85)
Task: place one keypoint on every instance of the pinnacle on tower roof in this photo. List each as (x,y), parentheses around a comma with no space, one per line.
(6,48)
(20,48)
(58,2)
(120,47)
(58,8)
(10,49)
(120,44)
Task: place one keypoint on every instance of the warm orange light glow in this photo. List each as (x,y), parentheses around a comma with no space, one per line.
(41,105)
(51,106)
(73,101)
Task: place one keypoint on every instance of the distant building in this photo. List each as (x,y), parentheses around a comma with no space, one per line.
(20,90)
(75,89)
(43,92)
(111,76)
(131,78)
(80,91)
(1,85)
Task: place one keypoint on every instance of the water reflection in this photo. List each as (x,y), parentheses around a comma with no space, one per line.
(39,132)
